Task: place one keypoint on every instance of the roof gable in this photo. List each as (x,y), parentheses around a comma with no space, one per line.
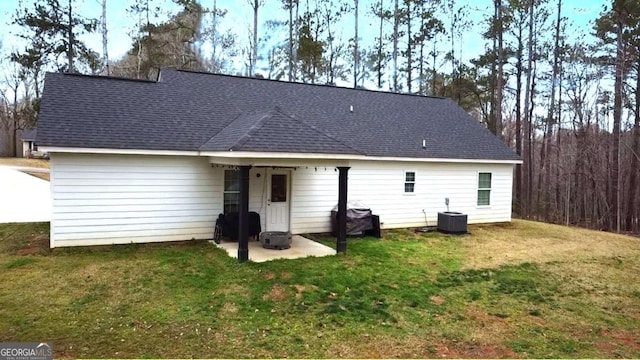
(29,134)
(275,131)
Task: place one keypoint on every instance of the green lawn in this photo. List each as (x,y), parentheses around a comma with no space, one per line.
(523,289)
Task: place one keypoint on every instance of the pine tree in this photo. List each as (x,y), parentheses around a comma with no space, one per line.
(53,28)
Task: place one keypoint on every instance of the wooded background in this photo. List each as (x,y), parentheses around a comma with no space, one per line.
(568,105)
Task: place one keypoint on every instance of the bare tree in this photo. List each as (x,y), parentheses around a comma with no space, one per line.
(103,26)
(396,23)
(356,54)
(617,115)
(255,5)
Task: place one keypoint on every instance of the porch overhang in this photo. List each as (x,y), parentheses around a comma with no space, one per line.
(239,158)
(257,159)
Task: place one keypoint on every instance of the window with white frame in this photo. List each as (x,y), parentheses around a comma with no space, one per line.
(231,191)
(409,182)
(484,189)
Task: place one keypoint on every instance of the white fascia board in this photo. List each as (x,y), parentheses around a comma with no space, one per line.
(53,149)
(284,162)
(246,155)
(253,158)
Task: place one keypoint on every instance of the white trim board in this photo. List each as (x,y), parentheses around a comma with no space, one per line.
(267,158)
(54,149)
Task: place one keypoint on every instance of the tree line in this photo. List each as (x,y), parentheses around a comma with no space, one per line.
(567,104)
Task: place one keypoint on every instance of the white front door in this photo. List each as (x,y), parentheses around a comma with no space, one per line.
(278,200)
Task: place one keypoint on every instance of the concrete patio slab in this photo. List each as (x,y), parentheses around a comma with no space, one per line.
(301,247)
(23,198)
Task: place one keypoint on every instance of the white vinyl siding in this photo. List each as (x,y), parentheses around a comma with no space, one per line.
(315,193)
(370,183)
(114,199)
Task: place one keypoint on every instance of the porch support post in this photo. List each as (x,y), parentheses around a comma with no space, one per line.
(243,215)
(341,241)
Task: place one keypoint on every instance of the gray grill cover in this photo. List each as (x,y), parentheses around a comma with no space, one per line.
(358,218)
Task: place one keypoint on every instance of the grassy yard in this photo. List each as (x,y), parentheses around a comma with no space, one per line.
(36,163)
(524,289)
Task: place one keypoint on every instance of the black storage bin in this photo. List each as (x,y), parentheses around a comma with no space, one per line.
(375,231)
(230,225)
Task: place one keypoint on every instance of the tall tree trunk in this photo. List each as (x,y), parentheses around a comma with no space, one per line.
(214,35)
(409,45)
(70,38)
(105,51)
(396,20)
(518,182)
(254,52)
(297,36)
(632,208)
(546,162)
(434,71)
(530,131)
(617,115)
(290,40)
(421,90)
(380,46)
(13,130)
(526,185)
(452,5)
(558,195)
(356,54)
(500,79)
(492,121)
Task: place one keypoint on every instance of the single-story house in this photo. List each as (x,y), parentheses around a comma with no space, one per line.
(136,161)
(29,146)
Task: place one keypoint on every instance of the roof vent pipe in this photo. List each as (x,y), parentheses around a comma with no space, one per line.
(351,108)
(424,144)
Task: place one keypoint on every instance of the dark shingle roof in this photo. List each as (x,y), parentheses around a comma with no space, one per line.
(274,131)
(200,111)
(29,134)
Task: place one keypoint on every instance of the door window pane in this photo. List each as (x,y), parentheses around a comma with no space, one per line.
(278,188)
(231,180)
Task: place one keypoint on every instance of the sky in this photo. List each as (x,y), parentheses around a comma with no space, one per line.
(240,19)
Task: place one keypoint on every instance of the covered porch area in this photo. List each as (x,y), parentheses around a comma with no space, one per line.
(301,247)
(291,193)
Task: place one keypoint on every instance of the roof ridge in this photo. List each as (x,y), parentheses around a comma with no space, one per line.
(277,108)
(252,130)
(219,131)
(103,77)
(306,84)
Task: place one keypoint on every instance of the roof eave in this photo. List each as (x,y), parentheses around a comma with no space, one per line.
(79,150)
(324,156)
(271,155)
